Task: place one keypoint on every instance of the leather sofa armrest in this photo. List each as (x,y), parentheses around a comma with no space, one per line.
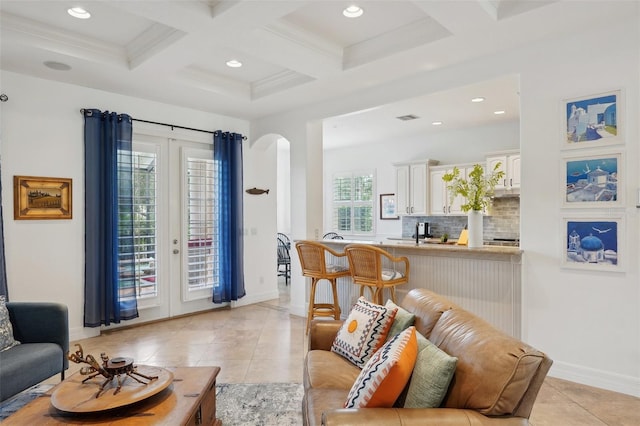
(322,333)
(415,417)
(41,322)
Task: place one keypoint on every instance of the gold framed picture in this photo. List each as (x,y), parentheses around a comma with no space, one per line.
(41,198)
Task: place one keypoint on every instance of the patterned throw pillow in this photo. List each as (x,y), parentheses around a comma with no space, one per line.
(431,376)
(386,374)
(403,320)
(390,274)
(363,332)
(6,330)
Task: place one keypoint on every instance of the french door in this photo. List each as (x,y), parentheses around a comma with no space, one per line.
(174,228)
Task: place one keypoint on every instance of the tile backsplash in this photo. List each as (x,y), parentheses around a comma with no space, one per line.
(503,221)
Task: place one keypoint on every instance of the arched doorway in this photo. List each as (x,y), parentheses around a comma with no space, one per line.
(277,147)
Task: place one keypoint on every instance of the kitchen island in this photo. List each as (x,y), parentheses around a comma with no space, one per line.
(485,281)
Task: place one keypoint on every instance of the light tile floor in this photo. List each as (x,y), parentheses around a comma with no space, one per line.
(263,343)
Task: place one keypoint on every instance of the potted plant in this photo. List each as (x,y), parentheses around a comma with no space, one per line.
(476,190)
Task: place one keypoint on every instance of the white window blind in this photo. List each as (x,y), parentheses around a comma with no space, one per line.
(201,230)
(353,203)
(139,271)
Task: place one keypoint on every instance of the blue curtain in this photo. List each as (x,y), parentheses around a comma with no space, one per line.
(4,289)
(227,155)
(108,219)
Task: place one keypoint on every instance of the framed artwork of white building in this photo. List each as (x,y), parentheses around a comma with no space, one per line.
(593,180)
(593,121)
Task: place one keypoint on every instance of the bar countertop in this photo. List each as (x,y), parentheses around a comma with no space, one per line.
(434,247)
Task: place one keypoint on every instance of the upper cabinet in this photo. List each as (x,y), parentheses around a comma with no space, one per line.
(412,186)
(510,165)
(440,201)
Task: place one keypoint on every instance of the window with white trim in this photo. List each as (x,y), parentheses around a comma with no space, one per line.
(353,203)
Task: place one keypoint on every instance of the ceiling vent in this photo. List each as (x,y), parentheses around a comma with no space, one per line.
(407,117)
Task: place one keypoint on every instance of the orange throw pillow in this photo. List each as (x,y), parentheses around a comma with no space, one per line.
(386,373)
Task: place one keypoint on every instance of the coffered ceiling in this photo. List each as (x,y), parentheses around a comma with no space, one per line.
(293,53)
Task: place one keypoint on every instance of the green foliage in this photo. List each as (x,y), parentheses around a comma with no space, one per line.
(477,189)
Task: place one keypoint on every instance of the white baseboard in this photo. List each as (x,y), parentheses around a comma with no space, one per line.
(79,333)
(601,379)
(298,310)
(255,298)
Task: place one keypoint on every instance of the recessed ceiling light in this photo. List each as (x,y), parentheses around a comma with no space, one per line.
(478,99)
(500,112)
(353,12)
(437,123)
(58,66)
(234,63)
(78,12)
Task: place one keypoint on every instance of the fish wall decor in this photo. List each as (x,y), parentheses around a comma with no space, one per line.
(257,191)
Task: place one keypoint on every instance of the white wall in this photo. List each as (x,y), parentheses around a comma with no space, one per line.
(587,322)
(42,135)
(284,186)
(447,147)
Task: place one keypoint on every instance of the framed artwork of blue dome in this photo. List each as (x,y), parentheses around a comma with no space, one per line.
(593,243)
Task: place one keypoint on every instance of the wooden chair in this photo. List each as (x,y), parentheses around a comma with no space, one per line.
(313,260)
(367,265)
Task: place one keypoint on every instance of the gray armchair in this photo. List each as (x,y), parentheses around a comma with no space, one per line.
(43,331)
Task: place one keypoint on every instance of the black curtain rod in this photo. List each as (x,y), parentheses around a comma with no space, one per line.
(244,138)
(173,126)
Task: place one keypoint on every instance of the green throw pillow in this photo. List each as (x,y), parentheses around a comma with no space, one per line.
(403,320)
(6,330)
(431,376)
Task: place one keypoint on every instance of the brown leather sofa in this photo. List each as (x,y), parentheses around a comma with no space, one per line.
(496,381)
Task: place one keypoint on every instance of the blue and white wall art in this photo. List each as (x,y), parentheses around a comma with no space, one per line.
(592,244)
(593,181)
(593,120)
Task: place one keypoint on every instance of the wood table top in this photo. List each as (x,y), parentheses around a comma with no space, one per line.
(172,406)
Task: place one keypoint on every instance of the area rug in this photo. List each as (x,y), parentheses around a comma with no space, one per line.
(16,402)
(241,404)
(262,404)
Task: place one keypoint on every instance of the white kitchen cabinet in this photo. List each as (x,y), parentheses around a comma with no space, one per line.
(440,202)
(510,165)
(411,187)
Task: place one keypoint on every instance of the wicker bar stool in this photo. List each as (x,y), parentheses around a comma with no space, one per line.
(314,264)
(368,271)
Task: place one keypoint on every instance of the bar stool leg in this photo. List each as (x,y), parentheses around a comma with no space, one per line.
(392,290)
(336,305)
(312,302)
(377,297)
(372,292)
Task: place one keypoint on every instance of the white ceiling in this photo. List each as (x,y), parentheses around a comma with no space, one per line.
(294,53)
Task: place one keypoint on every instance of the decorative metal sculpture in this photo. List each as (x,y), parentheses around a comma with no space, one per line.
(110,369)
(257,191)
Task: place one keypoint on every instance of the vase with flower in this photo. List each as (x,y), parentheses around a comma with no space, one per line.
(476,188)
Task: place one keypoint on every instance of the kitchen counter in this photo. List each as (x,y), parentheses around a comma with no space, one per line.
(434,246)
(484,280)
